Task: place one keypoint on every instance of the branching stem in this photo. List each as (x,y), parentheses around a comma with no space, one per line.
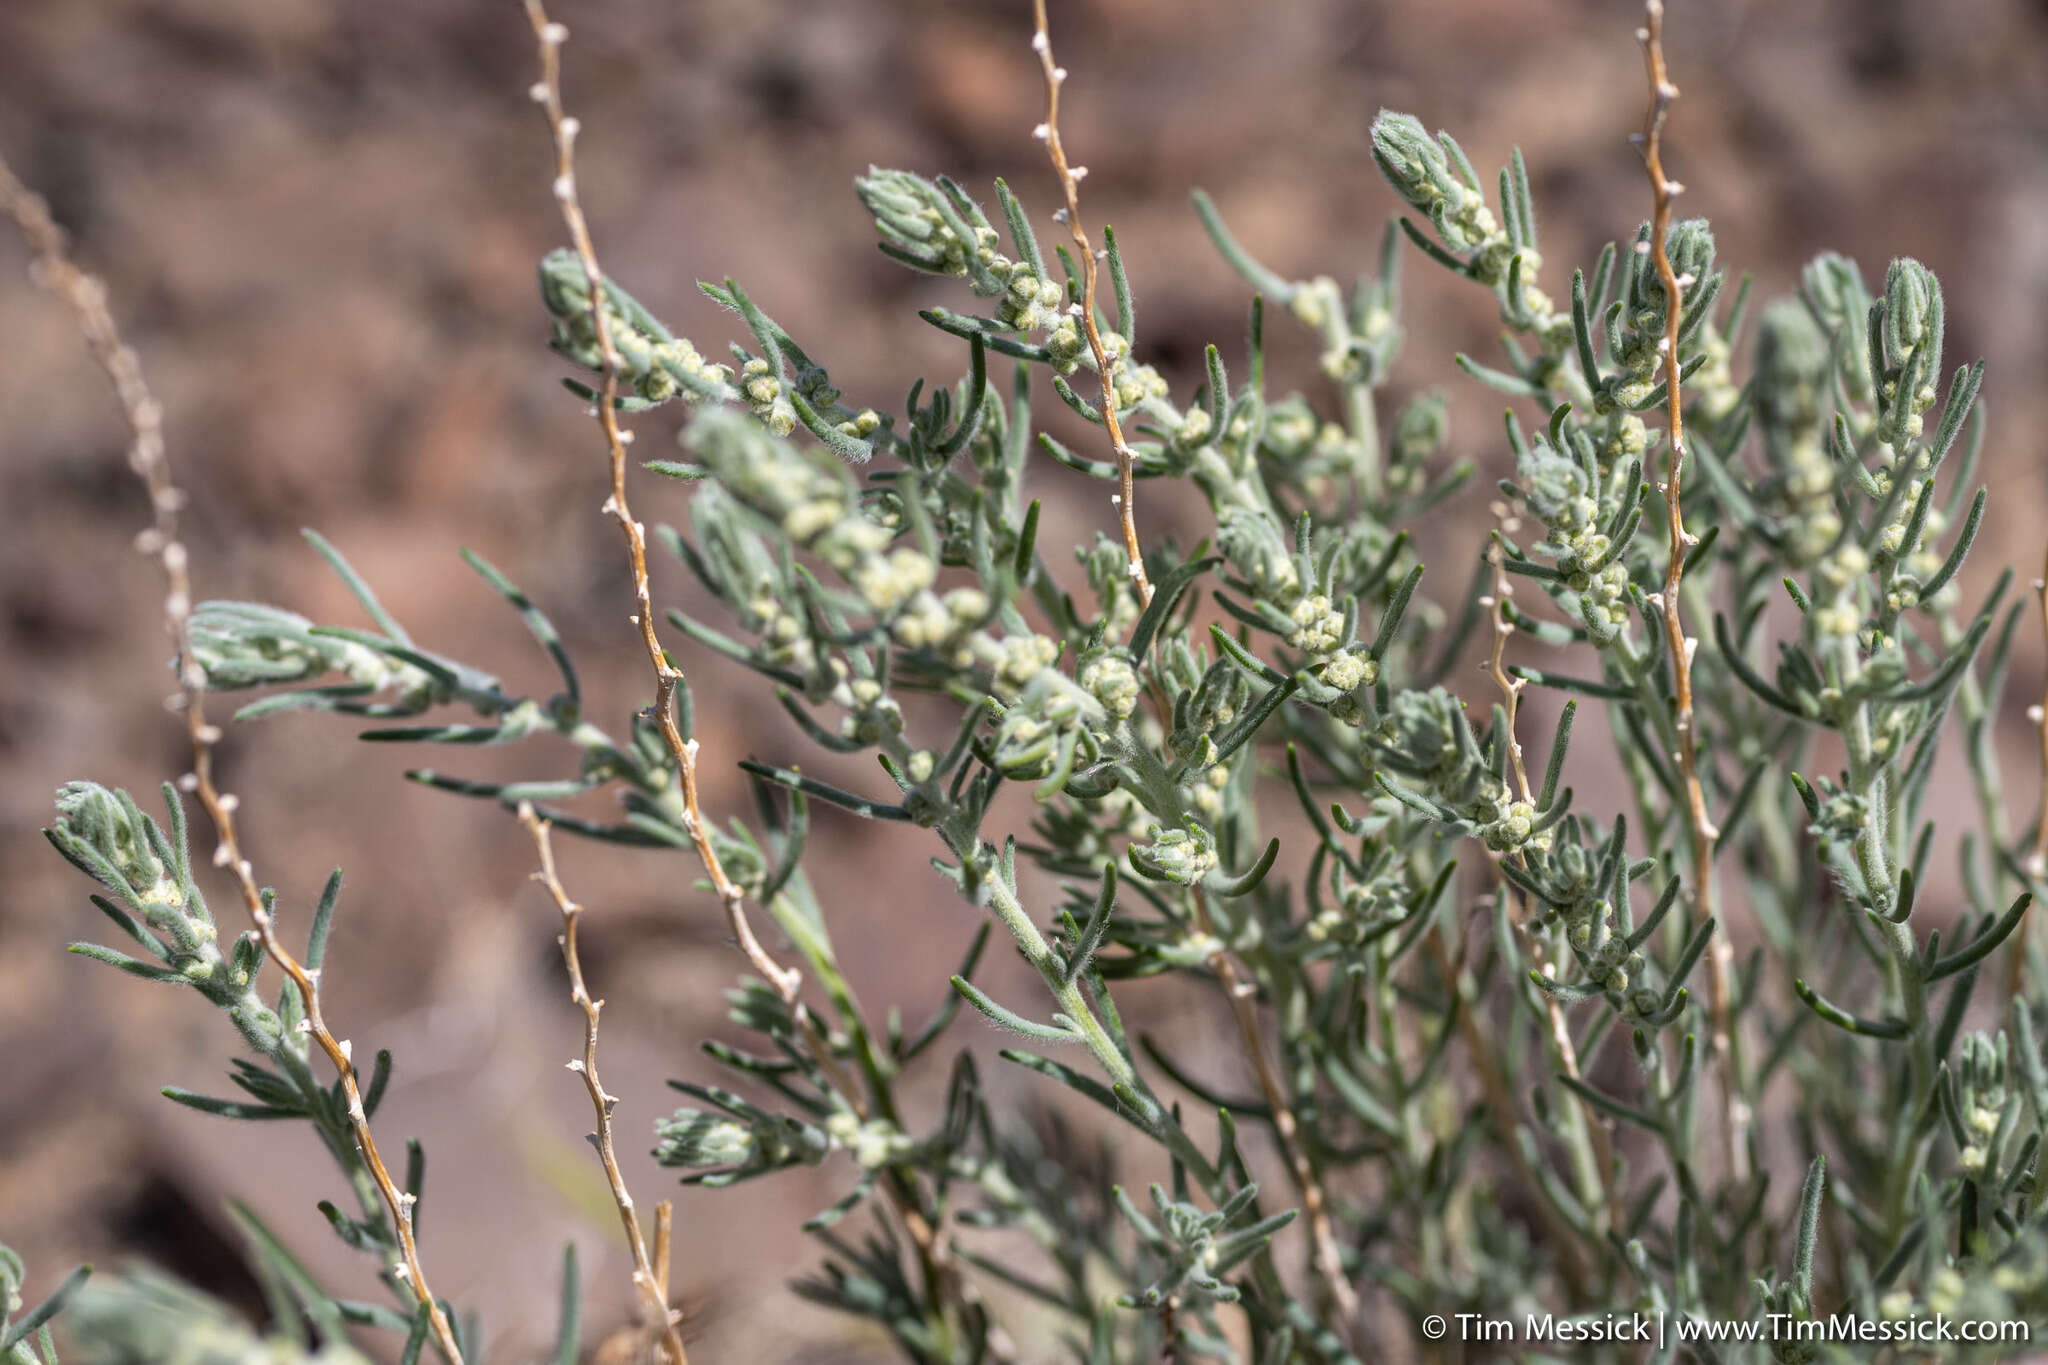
(942,1278)
(1315,1206)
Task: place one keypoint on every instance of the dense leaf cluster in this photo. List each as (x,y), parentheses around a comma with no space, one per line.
(1482,1060)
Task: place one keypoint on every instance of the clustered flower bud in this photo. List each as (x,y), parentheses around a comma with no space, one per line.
(1586,512)
(658,365)
(738,1140)
(1425,738)
(1982,1101)
(1113,682)
(1421,168)
(1907,342)
(1636,330)
(1184,855)
(1048,726)
(246,644)
(1791,410)
(105,835)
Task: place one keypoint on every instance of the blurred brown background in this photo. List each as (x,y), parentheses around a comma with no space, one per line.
(319,223)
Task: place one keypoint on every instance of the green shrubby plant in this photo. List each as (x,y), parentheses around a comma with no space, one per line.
(1498,1057)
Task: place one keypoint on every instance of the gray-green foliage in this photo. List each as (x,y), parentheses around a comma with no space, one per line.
(25,1336)
(1266,766)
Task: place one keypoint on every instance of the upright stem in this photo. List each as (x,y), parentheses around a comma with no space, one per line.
(942,1282)
(667,678)
(1073,1001)
(1070,180)
(1702,833)
(2036,862)
(1501,1106)
(1362,416)
(650,1280)
(1592,1144)
(1154,787)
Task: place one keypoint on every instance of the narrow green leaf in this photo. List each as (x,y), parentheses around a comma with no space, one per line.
(1009,1019)
(1842,1019)
(1985,943)
(359,589)
(537,623)
(19,1329)
(569,1320)
(228,1109)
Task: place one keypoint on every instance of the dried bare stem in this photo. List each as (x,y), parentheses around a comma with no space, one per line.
(1315,1207)
(648,1276)
(664,1235)
(667,678)
(1070,184)
(2037,853)
(1496,660)
(1327,1255)
(1597,1124)
(1720,953)
(86,296)
(940,1270)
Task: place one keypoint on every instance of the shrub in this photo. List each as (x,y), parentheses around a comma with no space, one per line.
(1507,1062)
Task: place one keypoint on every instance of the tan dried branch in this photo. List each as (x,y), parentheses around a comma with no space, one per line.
(650,1275)
(1070,183)
(1496,658)
(940,1269)
(2037,853)
(1720,953)
(86,296)
(667,678)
